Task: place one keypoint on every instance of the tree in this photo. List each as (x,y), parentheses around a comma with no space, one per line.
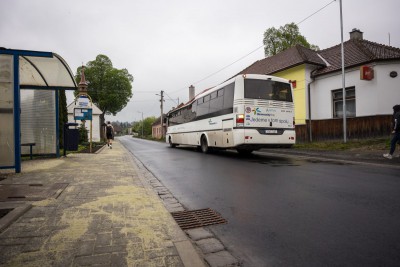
(146,124)
(277,40)
(62,115)
(109,88)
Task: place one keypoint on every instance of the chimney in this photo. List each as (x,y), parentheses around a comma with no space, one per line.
(356,34)
(191,92)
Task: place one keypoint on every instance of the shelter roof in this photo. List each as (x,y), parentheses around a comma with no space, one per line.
(42,70)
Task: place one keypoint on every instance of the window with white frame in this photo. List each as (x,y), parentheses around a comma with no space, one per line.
(337,102)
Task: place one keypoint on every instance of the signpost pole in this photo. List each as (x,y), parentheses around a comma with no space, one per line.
(85,113)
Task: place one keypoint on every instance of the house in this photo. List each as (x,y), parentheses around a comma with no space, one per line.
(371,82)
(96,112)
(156,130)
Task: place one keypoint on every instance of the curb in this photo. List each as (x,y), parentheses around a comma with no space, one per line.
(17,210)
(328,158)
(186,250)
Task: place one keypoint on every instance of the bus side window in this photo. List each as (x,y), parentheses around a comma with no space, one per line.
(228,95)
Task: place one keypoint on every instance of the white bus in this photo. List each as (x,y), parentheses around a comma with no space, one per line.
(246,113)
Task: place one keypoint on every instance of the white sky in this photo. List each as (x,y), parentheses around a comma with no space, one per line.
(169,45)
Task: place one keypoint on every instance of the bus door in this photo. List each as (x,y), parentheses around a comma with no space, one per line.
(227,133)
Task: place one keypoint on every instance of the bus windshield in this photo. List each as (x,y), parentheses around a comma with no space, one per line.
(267,90)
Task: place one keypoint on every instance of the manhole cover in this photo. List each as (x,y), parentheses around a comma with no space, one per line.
(4,212)
(197,218)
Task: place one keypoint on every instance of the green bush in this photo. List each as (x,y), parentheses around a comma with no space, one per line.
(83,134)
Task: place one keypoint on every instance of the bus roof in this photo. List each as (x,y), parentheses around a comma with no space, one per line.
(212,89)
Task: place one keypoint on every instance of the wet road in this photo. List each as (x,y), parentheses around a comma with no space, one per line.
(283,211)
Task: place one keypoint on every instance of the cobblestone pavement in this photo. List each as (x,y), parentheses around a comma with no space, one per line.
(106,215)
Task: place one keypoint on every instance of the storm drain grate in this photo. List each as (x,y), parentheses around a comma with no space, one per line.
(197,218)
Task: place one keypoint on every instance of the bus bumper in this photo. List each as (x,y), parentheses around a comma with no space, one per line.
(263,138)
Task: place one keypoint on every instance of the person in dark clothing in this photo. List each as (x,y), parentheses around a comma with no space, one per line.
(109,134)
(395,132)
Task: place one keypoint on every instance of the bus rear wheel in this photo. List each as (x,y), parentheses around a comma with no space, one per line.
(204,145)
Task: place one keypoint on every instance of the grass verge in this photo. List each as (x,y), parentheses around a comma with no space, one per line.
(365,144)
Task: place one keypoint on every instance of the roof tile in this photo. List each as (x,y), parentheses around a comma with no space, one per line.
(357,52)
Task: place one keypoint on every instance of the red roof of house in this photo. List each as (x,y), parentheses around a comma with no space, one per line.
(357,52)
(288,58)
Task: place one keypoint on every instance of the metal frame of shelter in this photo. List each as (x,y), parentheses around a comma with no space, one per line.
(46,71)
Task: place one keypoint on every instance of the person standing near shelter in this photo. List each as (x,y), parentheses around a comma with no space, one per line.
(109,134)
(395,132)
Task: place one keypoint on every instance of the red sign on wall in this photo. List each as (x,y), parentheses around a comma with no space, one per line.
(366,73)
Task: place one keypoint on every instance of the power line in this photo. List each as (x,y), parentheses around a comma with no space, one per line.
(315,12)
(171,98)
(212,74)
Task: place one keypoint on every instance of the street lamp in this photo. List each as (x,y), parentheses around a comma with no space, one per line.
(142,121)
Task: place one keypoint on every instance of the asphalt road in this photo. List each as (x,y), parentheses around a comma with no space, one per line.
(284,211)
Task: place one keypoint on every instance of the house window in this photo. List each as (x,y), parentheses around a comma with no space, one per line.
(337,99)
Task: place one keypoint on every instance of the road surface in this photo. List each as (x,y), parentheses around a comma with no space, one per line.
(284,211)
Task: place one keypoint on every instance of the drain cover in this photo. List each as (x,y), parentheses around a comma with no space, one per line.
(30,192)
(197,218)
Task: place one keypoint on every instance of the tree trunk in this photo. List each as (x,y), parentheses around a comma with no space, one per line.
(62,115)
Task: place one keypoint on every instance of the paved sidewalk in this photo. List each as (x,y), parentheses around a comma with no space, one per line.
(107,215)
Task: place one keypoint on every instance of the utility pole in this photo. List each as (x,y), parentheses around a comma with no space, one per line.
(162,117)
(343,77)
(142,121)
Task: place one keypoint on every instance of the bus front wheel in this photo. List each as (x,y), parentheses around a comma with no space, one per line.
(170,143)
(204,145)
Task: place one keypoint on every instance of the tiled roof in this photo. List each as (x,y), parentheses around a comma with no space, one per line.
(158,120)
(356,52)
(288,58)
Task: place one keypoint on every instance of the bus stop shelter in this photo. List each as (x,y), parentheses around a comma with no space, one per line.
(30,82)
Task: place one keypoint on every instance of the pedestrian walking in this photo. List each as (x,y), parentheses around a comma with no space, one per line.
(395,132)
(109,134)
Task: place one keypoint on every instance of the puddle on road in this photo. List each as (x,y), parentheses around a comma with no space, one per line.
(276,161)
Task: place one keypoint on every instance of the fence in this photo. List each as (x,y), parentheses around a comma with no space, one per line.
(357,128)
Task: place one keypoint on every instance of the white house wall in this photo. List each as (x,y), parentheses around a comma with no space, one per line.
(375,97)
(95,126)
(308,71)
(95,121)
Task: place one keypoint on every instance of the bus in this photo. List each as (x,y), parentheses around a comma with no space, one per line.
(246,113)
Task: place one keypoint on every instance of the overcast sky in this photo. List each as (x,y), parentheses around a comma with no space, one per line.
(169,45)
